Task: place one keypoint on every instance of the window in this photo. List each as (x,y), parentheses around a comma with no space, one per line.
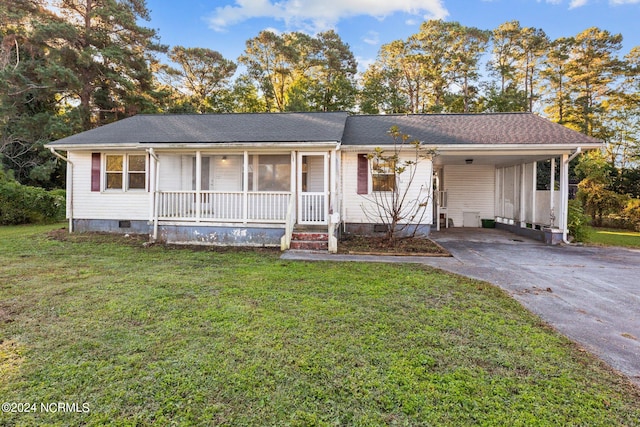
(125,172)
(115,165)
(270,172)
(383,175)
(137,166)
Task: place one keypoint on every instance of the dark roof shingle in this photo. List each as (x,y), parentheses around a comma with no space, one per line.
(215,128)
(449,129)
(431,129)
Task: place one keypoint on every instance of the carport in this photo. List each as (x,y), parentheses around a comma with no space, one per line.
(503,186)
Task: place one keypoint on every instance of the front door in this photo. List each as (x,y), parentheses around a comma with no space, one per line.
(313,185)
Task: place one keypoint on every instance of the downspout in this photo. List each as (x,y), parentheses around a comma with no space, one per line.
(566,207)
(156,182)
(69,186)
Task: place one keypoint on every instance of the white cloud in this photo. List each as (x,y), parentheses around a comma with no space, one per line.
(364,63)
(320,15)
(372,38)
(577,3)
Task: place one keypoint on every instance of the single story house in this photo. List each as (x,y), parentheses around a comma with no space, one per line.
(256,179)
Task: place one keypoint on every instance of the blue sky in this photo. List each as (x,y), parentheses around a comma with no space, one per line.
(225,25)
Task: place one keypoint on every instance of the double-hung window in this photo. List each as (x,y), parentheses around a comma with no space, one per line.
(125,172)
(383,175)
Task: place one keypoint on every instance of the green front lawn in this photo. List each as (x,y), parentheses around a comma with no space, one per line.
(164,336)
(614,237)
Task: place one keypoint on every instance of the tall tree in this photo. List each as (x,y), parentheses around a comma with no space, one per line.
(556,80)
(592,69)
(294,71)
(504,52)
(203,79)
(30,83)
(107,55)
(331,74)
(403,73)
(273,61)
(433,46)
(469,44)
(424,69)
(533,44)
(516,56)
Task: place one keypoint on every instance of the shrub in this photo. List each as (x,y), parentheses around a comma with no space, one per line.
(578,222)
(632,213)
(22,204)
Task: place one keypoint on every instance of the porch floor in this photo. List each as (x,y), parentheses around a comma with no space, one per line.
(480,235)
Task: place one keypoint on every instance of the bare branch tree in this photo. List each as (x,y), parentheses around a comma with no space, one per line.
(398,200)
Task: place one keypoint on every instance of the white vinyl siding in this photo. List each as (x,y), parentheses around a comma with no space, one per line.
(225,173)
(315,174)
(353,202)
(87,204)
(470,188)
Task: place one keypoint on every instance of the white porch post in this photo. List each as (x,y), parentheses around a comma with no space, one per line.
(294,173)
(534,192)
(154,190)
(245,187)
(327,159)
(564,192)
(198,183)
(332,181)
(523,202)
(152,183)
(552,202)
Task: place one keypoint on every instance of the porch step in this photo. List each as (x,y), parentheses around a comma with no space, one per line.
(309,241)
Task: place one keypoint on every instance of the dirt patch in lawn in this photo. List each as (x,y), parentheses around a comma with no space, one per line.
(369,245)
(63,235)
(142,240)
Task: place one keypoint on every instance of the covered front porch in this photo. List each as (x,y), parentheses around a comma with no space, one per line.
(253,197)
(505,188)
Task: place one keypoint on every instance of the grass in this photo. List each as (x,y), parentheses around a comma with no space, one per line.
(164,336)
(614,237)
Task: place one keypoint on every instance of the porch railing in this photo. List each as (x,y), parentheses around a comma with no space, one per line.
(223,206)
(313,209)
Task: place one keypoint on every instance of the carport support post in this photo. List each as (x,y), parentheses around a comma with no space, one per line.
(552,202)
(564,193)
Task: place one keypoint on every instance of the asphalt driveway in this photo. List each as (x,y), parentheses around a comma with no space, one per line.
(589,294)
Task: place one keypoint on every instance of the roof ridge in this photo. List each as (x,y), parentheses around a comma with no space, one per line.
(265,113)
(492,113)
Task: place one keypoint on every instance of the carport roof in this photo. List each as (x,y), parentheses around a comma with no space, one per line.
(463,129)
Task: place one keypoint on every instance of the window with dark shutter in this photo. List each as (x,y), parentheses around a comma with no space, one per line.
(363,174)
(95,171)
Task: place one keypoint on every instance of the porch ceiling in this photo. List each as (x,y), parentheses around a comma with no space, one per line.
(490,159)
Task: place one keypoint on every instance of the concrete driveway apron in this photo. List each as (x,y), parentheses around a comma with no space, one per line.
(589,294)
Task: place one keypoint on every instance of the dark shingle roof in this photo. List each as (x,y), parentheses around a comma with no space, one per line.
(215,128)
(432,129)
(449,129)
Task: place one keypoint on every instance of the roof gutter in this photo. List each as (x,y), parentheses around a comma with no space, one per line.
(69,186)
(565,232)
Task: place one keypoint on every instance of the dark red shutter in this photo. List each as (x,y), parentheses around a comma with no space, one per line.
(363,174)
(95,171)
